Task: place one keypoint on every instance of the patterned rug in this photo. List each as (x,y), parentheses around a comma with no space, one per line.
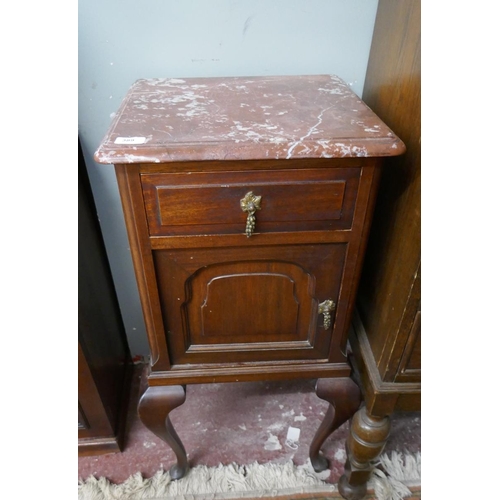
(396,477)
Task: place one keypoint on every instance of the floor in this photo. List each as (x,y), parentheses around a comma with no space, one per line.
(241,423)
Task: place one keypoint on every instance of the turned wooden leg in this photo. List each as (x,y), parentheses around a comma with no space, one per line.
(154,406)
(367,437)
(344,397)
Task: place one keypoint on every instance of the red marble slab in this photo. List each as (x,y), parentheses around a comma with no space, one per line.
(255,118)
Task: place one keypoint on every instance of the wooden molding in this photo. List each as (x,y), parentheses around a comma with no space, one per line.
(382,398)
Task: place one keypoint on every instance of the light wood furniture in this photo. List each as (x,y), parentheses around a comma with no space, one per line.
(104,364)
(386,336)
(248,204)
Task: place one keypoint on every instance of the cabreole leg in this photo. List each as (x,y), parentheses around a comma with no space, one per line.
(154,407)
(344,397)
(367,437)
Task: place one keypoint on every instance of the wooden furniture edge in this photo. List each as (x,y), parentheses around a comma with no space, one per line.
(112,444)
(128,179)
(381,397)
(98,446)
(372,174)
(207,375)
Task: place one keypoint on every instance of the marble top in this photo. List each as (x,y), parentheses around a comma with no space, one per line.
(238,118)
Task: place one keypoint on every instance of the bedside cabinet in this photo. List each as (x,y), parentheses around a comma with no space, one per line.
(248,204)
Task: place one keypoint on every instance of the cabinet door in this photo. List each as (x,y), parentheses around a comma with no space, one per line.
(248,304)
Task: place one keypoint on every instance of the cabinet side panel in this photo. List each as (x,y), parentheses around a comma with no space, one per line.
(91,412)
(392,90)
(104,357)
(133,207)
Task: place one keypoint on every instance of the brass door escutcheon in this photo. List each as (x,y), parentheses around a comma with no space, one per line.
(326,308)
(250,203)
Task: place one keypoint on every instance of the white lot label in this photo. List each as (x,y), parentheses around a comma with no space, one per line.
(130,140)
(293,434)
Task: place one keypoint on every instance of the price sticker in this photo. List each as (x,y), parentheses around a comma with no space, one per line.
(130,140)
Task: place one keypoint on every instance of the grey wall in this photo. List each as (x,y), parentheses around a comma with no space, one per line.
(121,41)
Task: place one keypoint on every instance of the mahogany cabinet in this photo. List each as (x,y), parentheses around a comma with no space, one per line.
(103,356)
(248,204)
(386,333)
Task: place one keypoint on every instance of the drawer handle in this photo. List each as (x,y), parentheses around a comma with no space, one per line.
(326,308)
(250,203)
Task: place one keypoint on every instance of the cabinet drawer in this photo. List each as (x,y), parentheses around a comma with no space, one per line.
(209,203)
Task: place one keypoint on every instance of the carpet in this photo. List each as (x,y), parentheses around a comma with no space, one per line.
(396,477)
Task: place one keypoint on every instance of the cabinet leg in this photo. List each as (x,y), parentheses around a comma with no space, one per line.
(154,407)
(344,397)
(367,437)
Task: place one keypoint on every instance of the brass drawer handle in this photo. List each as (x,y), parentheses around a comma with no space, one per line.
(250,203)
(326,308)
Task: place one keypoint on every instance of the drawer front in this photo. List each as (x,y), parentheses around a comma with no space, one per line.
(210,203)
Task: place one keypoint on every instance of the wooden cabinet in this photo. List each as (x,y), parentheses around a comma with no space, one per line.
(386,334)
(103,356)
(388,323)
(248,205)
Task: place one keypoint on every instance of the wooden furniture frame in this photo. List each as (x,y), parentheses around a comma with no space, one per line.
(386,335)
(248,204)
(104,362)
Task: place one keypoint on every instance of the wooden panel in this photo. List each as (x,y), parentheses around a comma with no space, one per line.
(387,291)
(97,422)
(82,420)
(409,320)
(267,164)
(209,203)
(409,369)
(229,305)
(137,228)
(412,361)
(103,354)
(381,397)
